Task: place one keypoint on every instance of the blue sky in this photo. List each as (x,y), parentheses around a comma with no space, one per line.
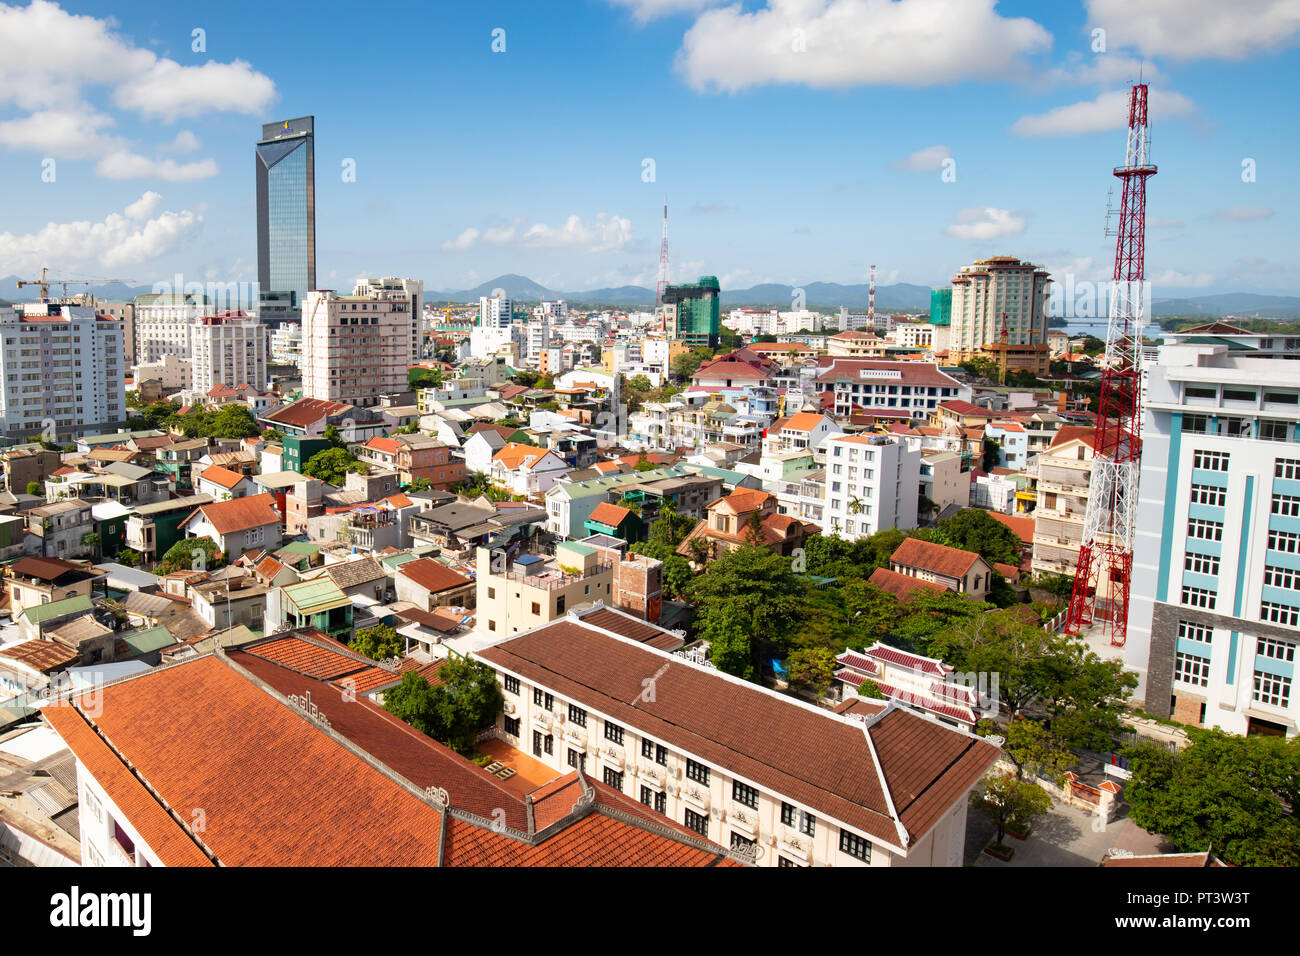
(779,164)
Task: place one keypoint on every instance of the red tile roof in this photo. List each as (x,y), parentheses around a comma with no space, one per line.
(221,476)
(306,412)
(937,558)
(379,443)
(1022,525)
(609,514)
(432,576)
(901,586)
(965,408)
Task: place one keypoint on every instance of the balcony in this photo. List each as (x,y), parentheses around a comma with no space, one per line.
(576,735)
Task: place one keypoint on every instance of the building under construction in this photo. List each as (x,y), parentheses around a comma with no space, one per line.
(693,311)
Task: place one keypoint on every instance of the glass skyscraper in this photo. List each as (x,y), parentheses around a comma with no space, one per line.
(286,215)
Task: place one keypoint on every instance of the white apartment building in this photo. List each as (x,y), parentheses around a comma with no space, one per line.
(228,349)
(719,755)
(163,322)
(558,309)
(286,344)
(414,291)
(355,348)
(986,292)
(917,387)
(920,335)
(872,483)
(1214,615)
(61,372)
(537,338)
(495,311)
(170,371)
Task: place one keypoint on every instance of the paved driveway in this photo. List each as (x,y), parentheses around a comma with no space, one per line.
(1066,836)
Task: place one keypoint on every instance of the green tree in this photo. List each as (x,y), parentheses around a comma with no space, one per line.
(527,379)
(749,591)
(36,488)
(1235,794)
(677,570)
(378,643)
(128,557)
(728,340)
(1032,747)
(191,554)
(453,712)
(644,464)
(332,465)
(335,437)
(91,540)
(670,527)
(639,383)
(420,484)
(981,367)
(812,668)
(1003,798)
(869,688)
(687,363)
(423,377)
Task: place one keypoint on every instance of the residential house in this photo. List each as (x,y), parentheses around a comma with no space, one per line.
(526,470)
(1064,472)
(964,572)
(428,584)
(731,522)
(519,593)
(222,484)
(151,530)
(621,523)
(480,448)
(925,684)
(60,529)
(237,525)
(31,582)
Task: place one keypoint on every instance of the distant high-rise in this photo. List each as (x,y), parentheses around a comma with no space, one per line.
(286,216)
(495,311)
(694,307)
(996,294)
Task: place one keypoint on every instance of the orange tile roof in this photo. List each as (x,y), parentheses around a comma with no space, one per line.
(380,443)
(516,455)
(307,658)
(901,586)
(744,499)
(432,576)
(1068,433)
(221,476)
(803,421)
(609,514)
(399,501)
(238,514)
(1022,525)
(938,558)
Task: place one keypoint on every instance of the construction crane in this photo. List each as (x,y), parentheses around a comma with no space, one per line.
(1106,551)
(44,283)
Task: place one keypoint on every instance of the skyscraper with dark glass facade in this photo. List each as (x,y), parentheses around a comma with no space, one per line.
(286,216)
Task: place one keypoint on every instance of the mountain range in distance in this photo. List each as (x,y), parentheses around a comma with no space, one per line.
(822,296)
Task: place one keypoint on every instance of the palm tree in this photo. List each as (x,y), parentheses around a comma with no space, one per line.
(855,504)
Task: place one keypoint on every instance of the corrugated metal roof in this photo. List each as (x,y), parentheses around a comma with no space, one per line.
(316,595)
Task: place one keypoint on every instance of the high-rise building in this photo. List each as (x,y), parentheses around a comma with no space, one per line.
(997,294)
(495,311)
(126,312)
(414,290)
(163,322)
(941,306)
(286,216)
(61,371)
(1214,617)
(286,344)
(355,347)
(228,349)
(872,484)
(694,309)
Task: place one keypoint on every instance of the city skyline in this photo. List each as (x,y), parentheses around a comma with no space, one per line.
(922,160)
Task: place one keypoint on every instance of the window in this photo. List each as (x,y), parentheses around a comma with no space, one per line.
(1281,578)
(1200,563)
(1209,495)
(512,683)
(1199,597)
(742,843)
(1279,613)
(577,759)
(1281,398)
(744,794)
(613,778)
(656,799)
(783,861)
(1192,669)
(855,846)
(697,771)
(613,732)
(1205,530)
(1271,689)
(559,604)
(1238,395)
(492,593)
(512,726)
(1271,429)
(1286,468)
(537,608)
(492,625)
(1273,648)
(542,700)
(1234,426)
(93,805)
(801,821)
(1195,632)
(1196,424)
(1288,541)
(577,715)
(1288,505)
(1210,460)
(698,822)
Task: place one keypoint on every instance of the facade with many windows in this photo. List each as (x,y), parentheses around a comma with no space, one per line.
(743,766)
(1216,583)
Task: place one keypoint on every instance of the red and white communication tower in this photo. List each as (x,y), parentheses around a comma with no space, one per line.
(1105,570)
(663,260)
(871,301)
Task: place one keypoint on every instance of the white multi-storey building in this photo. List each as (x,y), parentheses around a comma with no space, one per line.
(414,291)
(537,339)
(163,322)
(556,310)
(495,311)
(355,348)
(872,482)
(61,371)
(228,349)
(997,292)
(1215,608)
(286,344)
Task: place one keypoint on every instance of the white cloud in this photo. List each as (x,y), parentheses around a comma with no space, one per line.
(124,164)
(1180,280)
(463,241)
(1243,213)
(73,133)
(1161,222)
(169,91)
(1194,29)
(1108,111)
(986,222)
(928,159)
(603,234)
(138,234)
(1104,70)
(840,43)
(185,142)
